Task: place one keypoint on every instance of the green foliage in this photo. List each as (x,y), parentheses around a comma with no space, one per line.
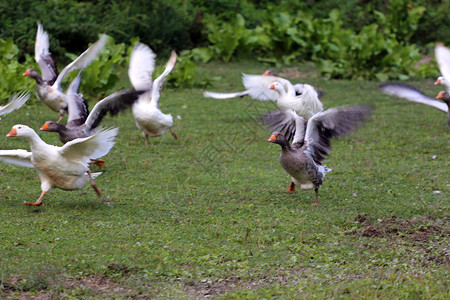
(11,79)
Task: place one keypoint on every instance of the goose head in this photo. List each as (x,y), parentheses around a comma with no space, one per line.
(33,74)
(52,126)
(268,73)
(278,87)
(441,80)
(279,138)
(444,96)
(20,130)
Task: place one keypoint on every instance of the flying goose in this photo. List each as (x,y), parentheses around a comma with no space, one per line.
(49,85)
(14,102)
(63,167)
(302,159)
(256,87)
(149,118)
(81,123)
(412,94)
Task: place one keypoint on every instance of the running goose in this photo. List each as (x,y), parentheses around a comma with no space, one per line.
(256,87)
(442,54)
(302,159)
(15,102)
(63,167)
(149,118)
(412,94)
(49,85)
(81,123)
(305,105)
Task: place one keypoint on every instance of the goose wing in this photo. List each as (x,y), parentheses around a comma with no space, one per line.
(15,102)
(43,56)
(158,83)
(94,146)
(215,95)
(412,94)
(17,157)
(77,106)
(442,54)
(113,104)
(331,123)
(288,123)
(142,64)
(83,60)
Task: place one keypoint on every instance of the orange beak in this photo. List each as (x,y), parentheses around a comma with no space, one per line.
(272,138)
(44,127)
(27,73)
(437,82)
(440,95)
(272,87)
(266,73)
(13,132)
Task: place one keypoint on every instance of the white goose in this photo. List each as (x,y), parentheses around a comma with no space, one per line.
(442,54)
(63,167)
(15,102)
(49,85)
(256,87)
(149,118)
(305,105)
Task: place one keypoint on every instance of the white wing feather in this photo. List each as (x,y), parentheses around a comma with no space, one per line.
(157,84)
(442,54)
(83,60)
(15,102)
(215,95)
(17,157)
(142,64)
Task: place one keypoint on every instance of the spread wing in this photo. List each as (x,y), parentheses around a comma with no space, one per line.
(77,106)
(331,123)
(83,60)
(17,157)
(94,146)
(288,123)
(412,94)
(113,104)
(157,84)
(215,95)
(258,86)
(15,102)
(43,56)
(442,54)
(142,64)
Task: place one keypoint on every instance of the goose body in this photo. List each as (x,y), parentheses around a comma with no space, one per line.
(147,114)
(302,159)
(64,167)
(49,84)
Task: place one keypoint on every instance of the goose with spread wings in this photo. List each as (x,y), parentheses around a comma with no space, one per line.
(63,167)
(303,159)
(49,88)
(256,87)
(15,102)
(147,114)
(81,123)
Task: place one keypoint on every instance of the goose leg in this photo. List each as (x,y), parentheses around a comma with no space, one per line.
(173,133)
(38,201)
(291,187)
(97,190)
(60,118)
(316,202)
(98,162)
(146,139)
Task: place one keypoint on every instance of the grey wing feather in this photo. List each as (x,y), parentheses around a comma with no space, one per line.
(286,122)
(43,57)
(332,123)
(77,106)
(113,104)
(412,94)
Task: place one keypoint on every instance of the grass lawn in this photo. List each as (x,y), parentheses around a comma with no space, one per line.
(208,216)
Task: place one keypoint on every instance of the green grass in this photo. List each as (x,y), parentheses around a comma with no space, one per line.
(208,215)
